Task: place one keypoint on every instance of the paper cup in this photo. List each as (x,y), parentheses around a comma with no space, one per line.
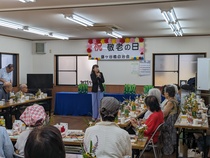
(45,95)
(27,98)
(122,120)
(11,101)
(1,103)
(195,121)
(203,116)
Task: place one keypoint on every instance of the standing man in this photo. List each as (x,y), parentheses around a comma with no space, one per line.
(5,74)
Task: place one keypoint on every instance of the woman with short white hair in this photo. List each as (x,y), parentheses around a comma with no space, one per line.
(153,92)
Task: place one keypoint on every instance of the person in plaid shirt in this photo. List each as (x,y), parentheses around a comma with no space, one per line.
(33,116)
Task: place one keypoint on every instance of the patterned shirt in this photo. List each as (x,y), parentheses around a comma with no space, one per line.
(5,75)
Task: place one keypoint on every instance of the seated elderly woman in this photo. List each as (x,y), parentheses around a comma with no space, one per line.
(107,137)
(155,92)
(33,116)
(170,111)
(154,120)
(45,142)
(6,147)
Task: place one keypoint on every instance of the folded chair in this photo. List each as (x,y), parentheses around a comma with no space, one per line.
(150,142)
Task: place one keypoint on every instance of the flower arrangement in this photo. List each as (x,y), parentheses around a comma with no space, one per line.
(190,105)
(147,88)
(130,89)
(83,88)
(92,150)
(38,93)
(140,131)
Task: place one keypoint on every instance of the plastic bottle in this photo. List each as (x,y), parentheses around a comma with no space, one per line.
(3,100)
(2,121)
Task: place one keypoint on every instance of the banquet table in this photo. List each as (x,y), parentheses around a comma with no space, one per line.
(8,108)
(190,128)
(76,104)
(139,144)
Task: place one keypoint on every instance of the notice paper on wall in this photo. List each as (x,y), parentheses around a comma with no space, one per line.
(145,68)
(135,68)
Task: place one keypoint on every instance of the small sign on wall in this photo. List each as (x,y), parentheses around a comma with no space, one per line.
(145,68)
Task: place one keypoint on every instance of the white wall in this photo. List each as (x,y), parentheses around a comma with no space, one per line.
(119,72)
(44,63)
(24,49)
(116,72)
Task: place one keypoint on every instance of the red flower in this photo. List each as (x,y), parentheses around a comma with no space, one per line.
(106,40)
(89,50)
(98,41)
(142,53)
(62,129)
(141,40)
(90,41)
(122,40)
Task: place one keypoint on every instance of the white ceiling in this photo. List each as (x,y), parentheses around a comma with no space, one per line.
(134,18)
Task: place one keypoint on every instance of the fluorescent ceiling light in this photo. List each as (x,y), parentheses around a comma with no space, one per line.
(180,32)
(172,27)
(26,1)
(110,34)
(114,34)
(172,15)
(59,36)
(165,15)
(70,18)
(35,31)
(79,20)
(13,25)
(85,21)
(10,25)
(177,26)
(171,19)
(176,33)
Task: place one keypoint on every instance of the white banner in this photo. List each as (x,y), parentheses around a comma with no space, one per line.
(117,51)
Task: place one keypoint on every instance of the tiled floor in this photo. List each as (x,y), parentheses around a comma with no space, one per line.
(81,123)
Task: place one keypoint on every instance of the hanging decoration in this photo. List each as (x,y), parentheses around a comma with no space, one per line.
(116,49)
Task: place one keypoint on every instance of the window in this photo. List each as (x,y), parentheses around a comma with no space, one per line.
(173,68)
(6,59)
(73,69)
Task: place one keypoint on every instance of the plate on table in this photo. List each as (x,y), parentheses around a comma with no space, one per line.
(75,133)
(133,138)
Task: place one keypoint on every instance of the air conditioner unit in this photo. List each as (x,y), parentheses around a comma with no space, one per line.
(39,48)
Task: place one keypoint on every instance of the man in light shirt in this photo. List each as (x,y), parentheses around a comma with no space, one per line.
(5,74)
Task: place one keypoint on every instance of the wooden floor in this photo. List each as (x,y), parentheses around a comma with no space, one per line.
(81,123)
